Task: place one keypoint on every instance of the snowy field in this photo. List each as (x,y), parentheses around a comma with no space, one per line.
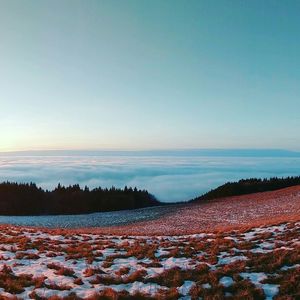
(260,263)
(112,218)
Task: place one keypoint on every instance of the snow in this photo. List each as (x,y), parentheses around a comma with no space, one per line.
(266,245)
(114,252)
(230,259)
(185,288)
(226,281)
(161,252)
(255,278)
(260,250)
(148,288)
(181,262)
(270,290)
(284,268)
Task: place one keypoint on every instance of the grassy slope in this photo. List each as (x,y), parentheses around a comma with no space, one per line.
(218,215)
(249,186)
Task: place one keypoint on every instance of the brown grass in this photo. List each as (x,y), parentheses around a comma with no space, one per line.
(14,284)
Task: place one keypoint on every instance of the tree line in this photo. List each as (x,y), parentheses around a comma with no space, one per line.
(28,199)
(249,186)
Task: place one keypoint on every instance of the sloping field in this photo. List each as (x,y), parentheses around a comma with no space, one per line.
(232,212)
(226,213)
(214,250)
(261,263)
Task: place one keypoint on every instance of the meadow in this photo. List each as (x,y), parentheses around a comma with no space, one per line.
(237,247)
(260,263)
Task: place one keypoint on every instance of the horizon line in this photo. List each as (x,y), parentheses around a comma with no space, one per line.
(154,150)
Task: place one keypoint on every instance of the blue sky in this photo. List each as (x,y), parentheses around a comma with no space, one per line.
(149,74)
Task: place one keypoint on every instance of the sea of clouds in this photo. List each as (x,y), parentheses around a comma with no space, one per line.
(169,178)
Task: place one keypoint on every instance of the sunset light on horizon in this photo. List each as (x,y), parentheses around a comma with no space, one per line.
(149,74)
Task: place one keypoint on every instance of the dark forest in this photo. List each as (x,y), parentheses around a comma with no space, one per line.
(249,186)
(28,199)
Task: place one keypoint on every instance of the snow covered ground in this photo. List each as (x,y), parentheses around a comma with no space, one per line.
(100,219)
(261,263)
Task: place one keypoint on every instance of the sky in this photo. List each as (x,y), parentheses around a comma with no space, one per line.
(149,74)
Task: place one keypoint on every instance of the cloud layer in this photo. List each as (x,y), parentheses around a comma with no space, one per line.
(168,178)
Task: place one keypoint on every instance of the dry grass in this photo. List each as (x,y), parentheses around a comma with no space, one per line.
(220,215)
(161,267)
(14,284)
(204,268)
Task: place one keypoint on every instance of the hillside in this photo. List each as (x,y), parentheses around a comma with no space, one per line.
(257,263)
(229,212)
(28,199)
(229,248)
(249,186)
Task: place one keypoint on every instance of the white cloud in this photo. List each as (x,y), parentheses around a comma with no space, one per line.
(168,178)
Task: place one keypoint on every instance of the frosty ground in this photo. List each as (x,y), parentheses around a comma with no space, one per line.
(260,263)
(239,247)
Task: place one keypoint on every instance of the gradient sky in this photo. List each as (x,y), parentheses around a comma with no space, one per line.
(149,74)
